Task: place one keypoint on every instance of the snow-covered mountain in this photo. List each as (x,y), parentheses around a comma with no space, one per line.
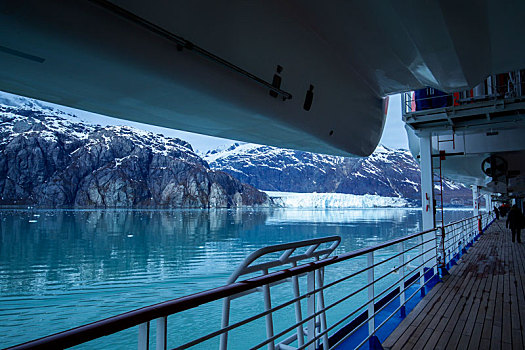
(387,172)
(52,158)
(276,169)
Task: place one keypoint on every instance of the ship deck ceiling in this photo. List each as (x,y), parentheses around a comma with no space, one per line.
(480,305)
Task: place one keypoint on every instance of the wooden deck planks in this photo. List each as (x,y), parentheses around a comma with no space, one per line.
(471,334)
(518,299)
(481,304)
(419,322)
(453,328)
(443,331)
(433,305)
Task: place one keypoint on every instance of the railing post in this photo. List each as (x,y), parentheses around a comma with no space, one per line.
(401,269)
(269,318)
(443,257)
(223,345)
(460,238)
(439,262)
(143,342)
(460,244)
(320,301)
(310,301)
(480,225)
(298,313)
(404,102)
(450,243)
(162,324)
(371,311)
(422,267)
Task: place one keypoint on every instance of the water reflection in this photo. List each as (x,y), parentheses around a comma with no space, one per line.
(60,269)
(340,216)
(83,247)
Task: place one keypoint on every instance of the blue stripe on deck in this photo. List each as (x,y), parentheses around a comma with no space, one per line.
(362,332)
(390,325)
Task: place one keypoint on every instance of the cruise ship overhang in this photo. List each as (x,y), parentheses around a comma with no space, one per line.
(478,139)
(296,74)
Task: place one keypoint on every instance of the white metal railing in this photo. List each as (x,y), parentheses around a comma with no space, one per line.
(459,235)
(287,254)
(350,289)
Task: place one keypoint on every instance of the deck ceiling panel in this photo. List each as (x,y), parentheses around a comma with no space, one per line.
(84,55)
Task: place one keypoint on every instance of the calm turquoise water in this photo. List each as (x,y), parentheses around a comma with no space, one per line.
(63,268)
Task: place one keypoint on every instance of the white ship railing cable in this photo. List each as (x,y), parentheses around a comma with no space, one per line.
(350,295)
(464,231)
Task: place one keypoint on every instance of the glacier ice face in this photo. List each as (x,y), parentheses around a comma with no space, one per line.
(335,200)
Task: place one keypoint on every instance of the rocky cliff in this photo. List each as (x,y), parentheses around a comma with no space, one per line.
(48,158)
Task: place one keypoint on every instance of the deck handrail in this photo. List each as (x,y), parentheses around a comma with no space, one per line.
(115,324)
(461,220)
(245,267)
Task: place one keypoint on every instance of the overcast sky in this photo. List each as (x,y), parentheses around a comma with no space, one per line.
(394,135)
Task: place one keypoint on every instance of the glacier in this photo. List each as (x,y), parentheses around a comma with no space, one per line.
(335,200)
(385,173)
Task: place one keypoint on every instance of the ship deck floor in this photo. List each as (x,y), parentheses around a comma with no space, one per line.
(480,305)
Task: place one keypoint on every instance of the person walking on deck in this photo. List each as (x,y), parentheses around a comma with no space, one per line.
(515,220)
(496,211)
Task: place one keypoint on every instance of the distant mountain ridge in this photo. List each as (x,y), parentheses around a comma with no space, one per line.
(50,158)
(387,172)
